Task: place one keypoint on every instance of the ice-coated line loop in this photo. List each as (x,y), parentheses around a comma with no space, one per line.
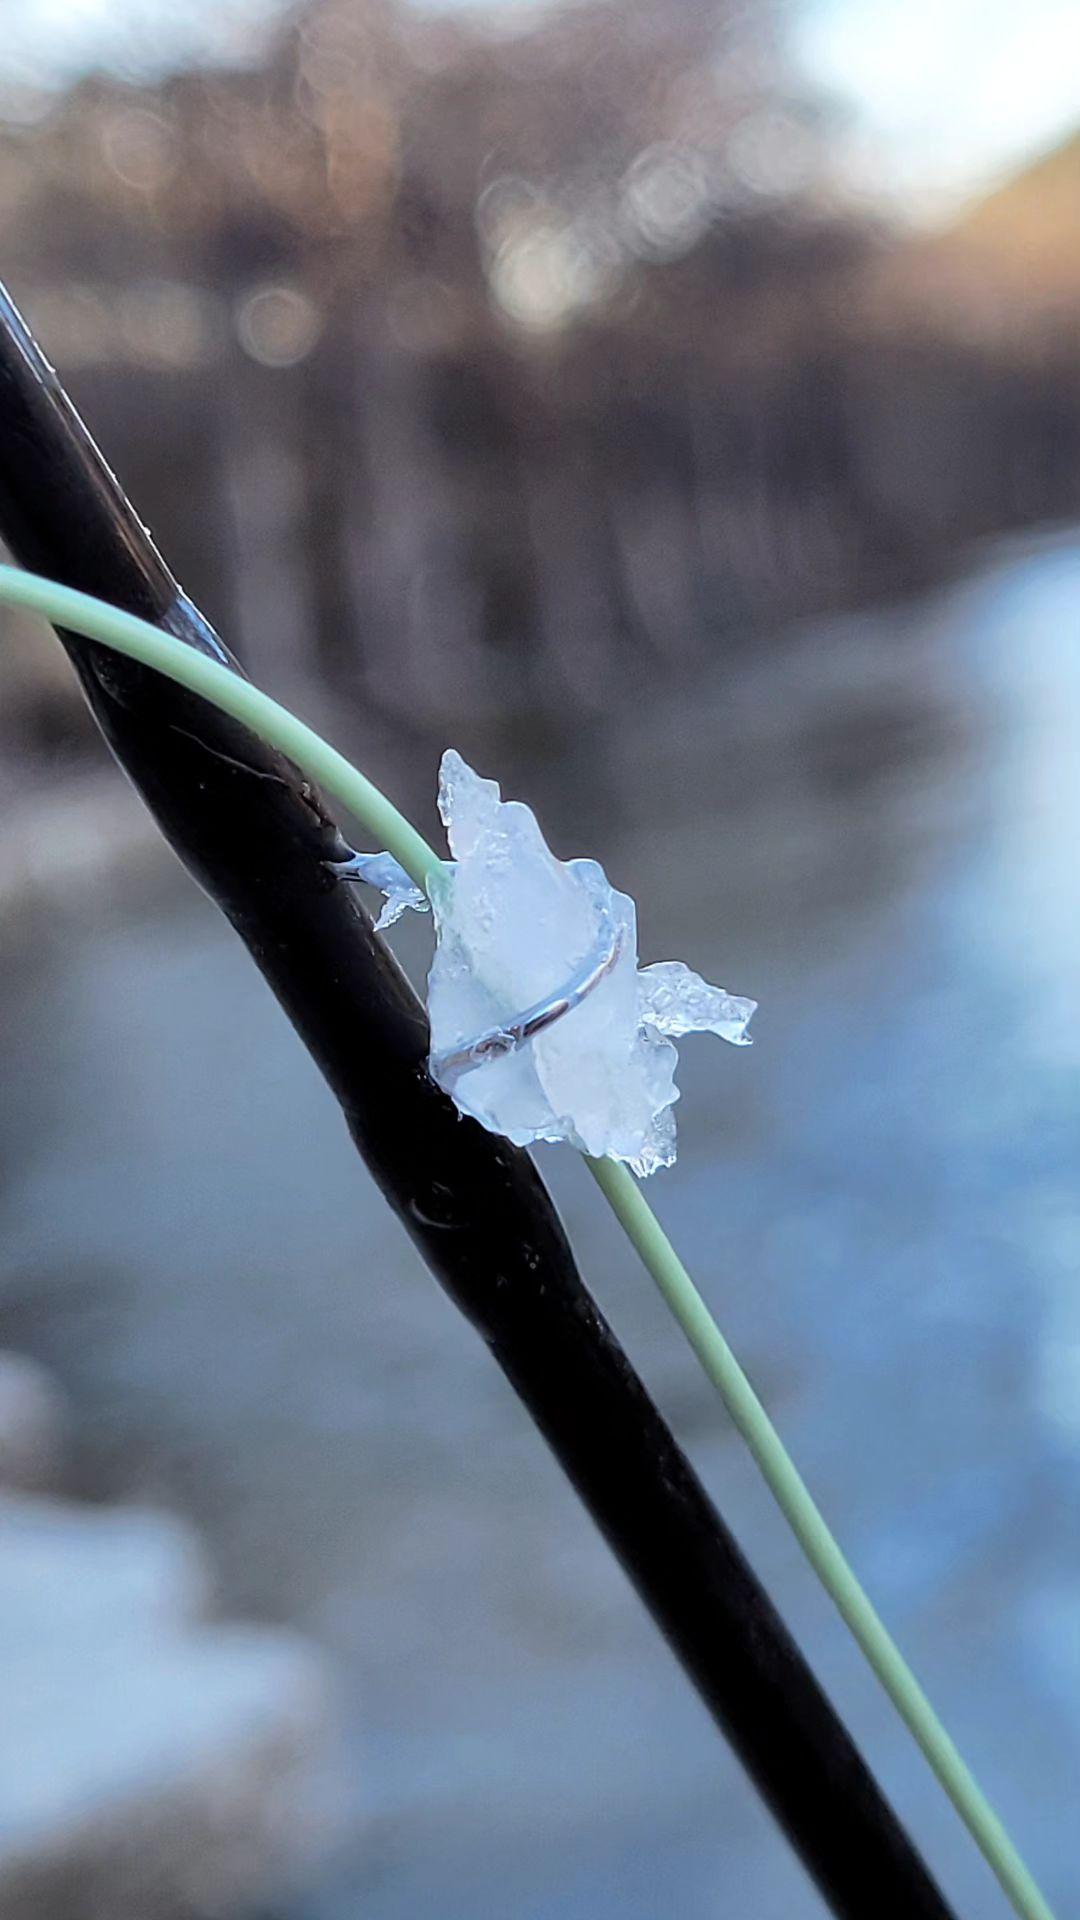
(448,1067)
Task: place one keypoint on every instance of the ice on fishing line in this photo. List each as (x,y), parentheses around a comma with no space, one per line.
(381,870)
(542,1025)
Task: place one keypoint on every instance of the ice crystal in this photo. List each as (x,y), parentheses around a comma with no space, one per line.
(519,933)
(383,871)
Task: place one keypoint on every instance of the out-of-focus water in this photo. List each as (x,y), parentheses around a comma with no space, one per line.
(872,827)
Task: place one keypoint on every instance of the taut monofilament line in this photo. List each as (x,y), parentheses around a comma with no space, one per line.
(279,728)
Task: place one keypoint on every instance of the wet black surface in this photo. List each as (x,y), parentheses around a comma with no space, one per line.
(254,835)
(871,827)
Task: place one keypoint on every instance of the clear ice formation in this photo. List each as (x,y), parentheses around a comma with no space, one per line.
(542,1026)
(383,871)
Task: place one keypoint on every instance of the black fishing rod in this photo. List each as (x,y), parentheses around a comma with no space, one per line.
(259,840)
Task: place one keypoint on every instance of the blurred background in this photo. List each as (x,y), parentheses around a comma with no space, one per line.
(674,404)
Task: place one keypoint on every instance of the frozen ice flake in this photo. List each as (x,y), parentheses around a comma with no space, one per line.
(542,1028)
(676,1001)
(383,871)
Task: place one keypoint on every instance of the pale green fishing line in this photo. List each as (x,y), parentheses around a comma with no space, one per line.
(329,769)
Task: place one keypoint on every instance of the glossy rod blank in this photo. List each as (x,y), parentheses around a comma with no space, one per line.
(260,842)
